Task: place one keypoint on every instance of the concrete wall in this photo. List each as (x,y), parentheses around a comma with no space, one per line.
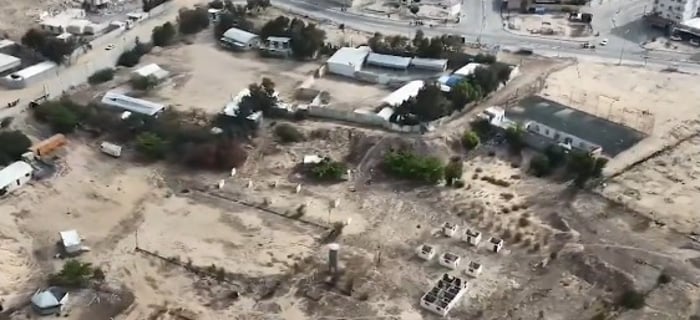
(371,119)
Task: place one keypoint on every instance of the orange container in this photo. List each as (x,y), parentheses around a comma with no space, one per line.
(48,146)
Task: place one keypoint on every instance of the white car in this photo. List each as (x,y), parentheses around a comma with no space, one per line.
(109,47)
(695,42)
(603,42)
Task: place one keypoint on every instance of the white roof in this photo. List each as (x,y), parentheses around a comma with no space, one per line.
(468,69)
(404,93)
(6,43)
(438,64)
(692,23)
(132,104)
(70,238)
(231,108)
(386,113)
(152,70)
(45,299)
(31,71)
(8,62)
(80,23)
(238,35)
(279,39)
(15,170)
(385,60)
(312,159)
(349,56)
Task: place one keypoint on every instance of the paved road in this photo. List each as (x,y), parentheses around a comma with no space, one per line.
(493,34)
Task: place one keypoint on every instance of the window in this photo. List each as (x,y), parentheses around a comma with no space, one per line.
(556,136)
(567,140)
(581,145)
(546,131)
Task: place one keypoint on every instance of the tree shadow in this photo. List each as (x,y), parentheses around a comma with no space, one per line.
(637,31)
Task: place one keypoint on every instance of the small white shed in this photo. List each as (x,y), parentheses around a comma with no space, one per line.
(70,240)
(240,39)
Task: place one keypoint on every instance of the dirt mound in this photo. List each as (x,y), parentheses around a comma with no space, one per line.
(597,272)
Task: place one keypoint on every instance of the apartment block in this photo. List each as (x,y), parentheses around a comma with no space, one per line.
(676,11)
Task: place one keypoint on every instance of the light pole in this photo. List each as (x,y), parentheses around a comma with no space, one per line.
(622,50)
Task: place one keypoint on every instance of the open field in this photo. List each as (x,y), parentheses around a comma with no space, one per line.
(657,103)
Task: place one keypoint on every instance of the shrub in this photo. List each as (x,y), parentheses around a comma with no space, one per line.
(129,59)
(139,82)
(540,165)
(453,171)
(484,58)
(663,278)
(151,145)
(100,76)
(328,170)
(192,21)
(75,274)
(6,122)
(470,140)
(287,133)
(514,137)
(407,165)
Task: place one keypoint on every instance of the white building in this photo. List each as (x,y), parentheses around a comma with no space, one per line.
(278,46)
(450,260)
(446,294)
(346,61)
(388,61)
(71,241)
(449,229)
(58,24)
(471,236)
(563,139)
(240,39)
(8,62)
(50,301)
(495,244)
(429,64)
(29,75)
(14,176)
(404,93)
(130,104)
(468,69)
(152,70)
(676,11)
(473,269)
(77,26)
(426,252)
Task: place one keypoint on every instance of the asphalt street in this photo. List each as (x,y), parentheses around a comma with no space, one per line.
(481,21)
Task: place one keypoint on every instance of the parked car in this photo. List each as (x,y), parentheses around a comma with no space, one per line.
(588,45)
(676,37)
(695,42)
(604,42)
(109,47)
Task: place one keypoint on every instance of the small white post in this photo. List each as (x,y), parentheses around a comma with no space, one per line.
(335,203)
(221,183)
(233,172)
(250,183)
(298,188)
(274,184)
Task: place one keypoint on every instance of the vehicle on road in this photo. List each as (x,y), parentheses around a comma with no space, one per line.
(675,37)
(588,45)
(604,42)
(695,42)
(109,47)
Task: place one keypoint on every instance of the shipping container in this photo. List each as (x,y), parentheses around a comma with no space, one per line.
(49,146)
(111,149)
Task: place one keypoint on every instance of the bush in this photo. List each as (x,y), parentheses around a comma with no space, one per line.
(663,278)
(150,4)
(143,83)
(151,145)
(329,170)
(129,59)
(470,140)
(407,165)
(287,133)
(6,122)
(540,165)
(75,274)
(12,145)
(556,155)
(514,137)
(453,171)
(192,21)
(101,76)
(631,299)
(484,58)
(163,35)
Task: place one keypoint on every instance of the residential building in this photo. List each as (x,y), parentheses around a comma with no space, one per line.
(71,241)
(14,176)
(388,61)
(429,64)
(277,46)
(240,39)
(563,139)
(404,93)
(447,293)
(50,301)
(346,61)
(130,104)
(152,70)
(676,11)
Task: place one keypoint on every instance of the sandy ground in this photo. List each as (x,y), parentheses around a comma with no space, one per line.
(547,24)
(657,103)
(668,45)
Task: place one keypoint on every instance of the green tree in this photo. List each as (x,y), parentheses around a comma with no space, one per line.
(34,38)
(470,140)
(139,82)
(216,4)
(463,93)
(192,21)
(278,27)
(482,128)
(100,76)
(261,97)
(514,137)
(74,274)
(12,145)
(485,79)
(63,120)
(329,170)
(598,166)
(307,40)
(129,59)
(540,165)
(556,155)
(428,105)
(501,71)
(407,165)
(453,171)
(163,35)
(257,4)
(151,145)
(582,165)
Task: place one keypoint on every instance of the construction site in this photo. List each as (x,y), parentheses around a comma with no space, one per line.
(263,241)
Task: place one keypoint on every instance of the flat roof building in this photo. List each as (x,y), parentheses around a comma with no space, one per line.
(153,70)
(14,176)
(29,75)
(127,103)
(240,39)
(388,61)
(8,62)
(404,93)
(346,61)
(429,64)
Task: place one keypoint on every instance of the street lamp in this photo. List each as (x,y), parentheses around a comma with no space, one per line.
(622,50)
